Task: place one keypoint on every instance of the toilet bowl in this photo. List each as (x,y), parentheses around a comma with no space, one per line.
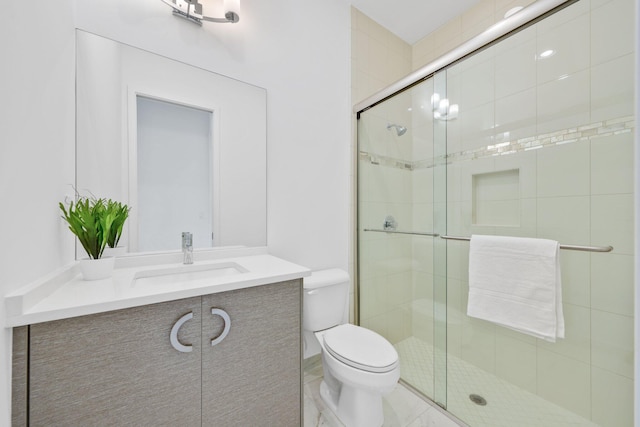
(359,366)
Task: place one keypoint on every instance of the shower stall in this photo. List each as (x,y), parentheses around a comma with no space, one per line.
(527,133)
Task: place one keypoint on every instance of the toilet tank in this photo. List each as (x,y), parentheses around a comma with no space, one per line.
(325,297)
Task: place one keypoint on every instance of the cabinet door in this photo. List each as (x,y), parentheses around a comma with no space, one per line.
(253,376)
(117,369)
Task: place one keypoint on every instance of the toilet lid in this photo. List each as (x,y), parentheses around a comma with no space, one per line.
(361,348)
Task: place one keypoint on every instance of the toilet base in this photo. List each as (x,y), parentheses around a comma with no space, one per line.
(354,407)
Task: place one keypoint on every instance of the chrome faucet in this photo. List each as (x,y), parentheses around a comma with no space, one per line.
(187,247)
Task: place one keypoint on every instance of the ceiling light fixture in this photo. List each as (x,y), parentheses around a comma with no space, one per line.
(191,10)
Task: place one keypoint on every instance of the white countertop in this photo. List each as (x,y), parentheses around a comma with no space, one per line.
(64,294)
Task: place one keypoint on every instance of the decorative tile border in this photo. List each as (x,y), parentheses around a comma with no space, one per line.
(565,136)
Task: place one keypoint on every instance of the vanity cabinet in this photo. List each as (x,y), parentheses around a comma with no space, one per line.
(120,368)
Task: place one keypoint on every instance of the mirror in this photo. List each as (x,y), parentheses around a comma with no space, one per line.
(126,99)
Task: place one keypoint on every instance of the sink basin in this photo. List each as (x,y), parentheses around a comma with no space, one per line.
(187,273)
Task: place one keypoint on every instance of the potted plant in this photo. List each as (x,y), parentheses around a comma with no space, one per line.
(97,223)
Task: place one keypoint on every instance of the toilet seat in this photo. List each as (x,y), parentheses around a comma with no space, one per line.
(360,348)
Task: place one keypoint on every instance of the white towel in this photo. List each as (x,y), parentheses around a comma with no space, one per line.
(515,282)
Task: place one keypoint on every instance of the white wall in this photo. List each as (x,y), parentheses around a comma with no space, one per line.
(36,151)
(297,50)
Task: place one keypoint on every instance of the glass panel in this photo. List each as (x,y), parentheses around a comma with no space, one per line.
(542,147)
(396,271)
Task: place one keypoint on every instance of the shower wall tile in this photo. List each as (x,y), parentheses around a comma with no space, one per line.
(611,399)
(526,163)
(448,36)
(398,323)
(422,285)
(372,258)
(564,170)
(577,341)
(456,306)
(499,213)
(516,116)
(515,61)
(481,11)
(612,222)
(571,53)
(478,344)
(456,251)
(566,40)
(399,288)
(398,256)
(454,340)
(459,220)
(423,218)
(515,335)
(422,137)
(422,319)
(576,279)
(476,126)
(422,185)
(376,323)
(565,219)
(516,362)
(476,81)
(455,181)
(480,25)
(612,343)
(528,218)
(564,381)
(612,164)
(563,104)
(612,88)
(612,29)
(612,283)
(372,296)
(379,56)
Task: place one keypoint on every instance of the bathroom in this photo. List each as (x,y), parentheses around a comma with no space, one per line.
(309,219)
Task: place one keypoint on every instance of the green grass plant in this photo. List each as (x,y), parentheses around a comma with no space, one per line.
(97,223)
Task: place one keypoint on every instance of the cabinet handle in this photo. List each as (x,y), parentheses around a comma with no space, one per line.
(174,334)
(227,325)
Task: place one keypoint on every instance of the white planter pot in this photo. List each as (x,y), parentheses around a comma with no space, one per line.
(96,269)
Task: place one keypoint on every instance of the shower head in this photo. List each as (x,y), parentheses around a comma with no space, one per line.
(400,130)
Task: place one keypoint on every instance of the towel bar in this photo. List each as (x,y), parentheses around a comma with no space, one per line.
(568,247)
(417,233)
(466,239)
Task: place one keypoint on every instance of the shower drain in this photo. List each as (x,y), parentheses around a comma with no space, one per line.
(477,399)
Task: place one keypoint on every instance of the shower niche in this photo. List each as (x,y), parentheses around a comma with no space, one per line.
(496,198)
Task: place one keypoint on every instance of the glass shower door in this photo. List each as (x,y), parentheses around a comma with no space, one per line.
(541,148)
(399,272)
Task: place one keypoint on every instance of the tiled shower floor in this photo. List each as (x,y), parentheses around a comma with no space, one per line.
(507,405)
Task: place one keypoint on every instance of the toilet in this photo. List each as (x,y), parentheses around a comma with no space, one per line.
(359,365)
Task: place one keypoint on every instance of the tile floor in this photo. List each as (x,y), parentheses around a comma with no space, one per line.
(507,404)
(402,408)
